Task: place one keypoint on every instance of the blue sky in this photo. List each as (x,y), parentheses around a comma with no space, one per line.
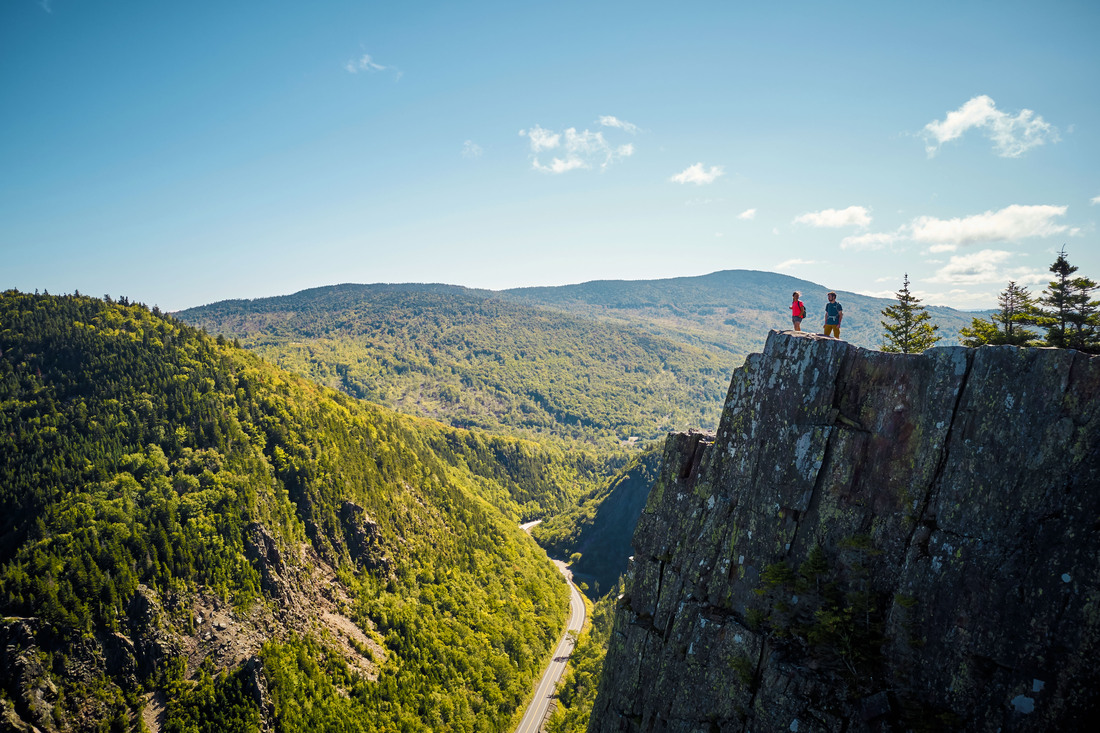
(183,153)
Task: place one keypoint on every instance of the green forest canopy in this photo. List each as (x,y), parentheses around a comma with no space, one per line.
(137,451)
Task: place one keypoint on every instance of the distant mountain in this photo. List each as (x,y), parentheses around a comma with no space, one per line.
(196,539)
(475,359)
(731,310)
(597,362)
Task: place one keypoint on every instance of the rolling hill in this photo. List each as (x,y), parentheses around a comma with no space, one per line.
(474,359)
(197,539)
(594,363)
(731,310)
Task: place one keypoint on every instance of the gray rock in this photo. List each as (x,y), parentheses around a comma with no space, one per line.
(871,542)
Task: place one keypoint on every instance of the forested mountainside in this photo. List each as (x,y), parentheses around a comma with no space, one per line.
(731,310)
(472,359)
(599,527)
(197,539)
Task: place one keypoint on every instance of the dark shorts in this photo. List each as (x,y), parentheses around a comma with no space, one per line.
(796,320)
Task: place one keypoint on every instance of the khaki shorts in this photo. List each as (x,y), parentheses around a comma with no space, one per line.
(831,330)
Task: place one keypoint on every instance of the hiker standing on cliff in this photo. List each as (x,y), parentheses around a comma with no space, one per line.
(798,311)
(834,314)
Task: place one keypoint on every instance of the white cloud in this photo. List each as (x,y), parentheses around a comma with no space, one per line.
(1011,136)
(852,216)
(879,293)
(1009,224)
(698,175)
(941,248)
(363,63)
(747,214)
(984,268)
(612,121)
(1095,200)
(470,149)
(787,264)
(869,241)
(560,165)
(973,269)
(585,149)
(541,139)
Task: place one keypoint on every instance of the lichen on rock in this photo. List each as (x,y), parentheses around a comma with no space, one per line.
(871,541)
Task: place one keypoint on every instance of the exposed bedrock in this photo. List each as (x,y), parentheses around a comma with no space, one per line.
(871,542)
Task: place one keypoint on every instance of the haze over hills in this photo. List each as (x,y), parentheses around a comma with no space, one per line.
(730,309)
(596,362)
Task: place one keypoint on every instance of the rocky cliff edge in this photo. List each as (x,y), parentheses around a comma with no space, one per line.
(871,542)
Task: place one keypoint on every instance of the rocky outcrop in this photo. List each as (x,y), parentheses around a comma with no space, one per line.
(364,540)
(871,542)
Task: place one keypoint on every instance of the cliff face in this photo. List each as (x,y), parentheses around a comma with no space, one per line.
(871,542)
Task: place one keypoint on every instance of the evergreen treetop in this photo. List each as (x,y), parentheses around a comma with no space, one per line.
(1009,326)
(907,324)
(1071,315)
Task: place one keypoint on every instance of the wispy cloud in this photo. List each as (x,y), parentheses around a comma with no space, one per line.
(857,216)
(363,63)
(747,214)
(984,268)
(578,150)
(366,64)
(870,241)
(1012,136)
(698,175)
(612,121)
(1009,224)
(1094,200)
(541,139)
(470,149)
(788,264)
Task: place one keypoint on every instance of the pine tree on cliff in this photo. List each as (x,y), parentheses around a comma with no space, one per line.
(908,330)
(1009,326)
(1072,317)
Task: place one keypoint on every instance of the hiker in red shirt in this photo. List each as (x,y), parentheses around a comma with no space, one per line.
(798,311)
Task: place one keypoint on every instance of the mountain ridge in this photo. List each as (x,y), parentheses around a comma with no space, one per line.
(593,363)
(196,538)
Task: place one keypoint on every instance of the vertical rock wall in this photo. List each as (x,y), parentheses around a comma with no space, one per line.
(871,542)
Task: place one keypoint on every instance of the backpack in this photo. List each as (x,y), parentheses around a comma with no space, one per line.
(801,309)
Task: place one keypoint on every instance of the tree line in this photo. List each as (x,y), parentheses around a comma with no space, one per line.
(1065,316)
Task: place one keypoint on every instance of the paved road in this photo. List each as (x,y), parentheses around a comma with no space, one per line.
(544,693)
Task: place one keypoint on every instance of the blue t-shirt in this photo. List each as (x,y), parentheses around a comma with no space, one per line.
(832,313)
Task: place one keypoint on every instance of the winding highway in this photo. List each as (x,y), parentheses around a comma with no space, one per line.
(544,692)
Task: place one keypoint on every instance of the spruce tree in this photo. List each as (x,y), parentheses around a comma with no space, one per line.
(1072,317)
(1009,326)
(908,330)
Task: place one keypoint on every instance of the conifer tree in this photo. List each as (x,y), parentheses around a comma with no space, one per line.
(1072,317)
(908,330)
(1009,326)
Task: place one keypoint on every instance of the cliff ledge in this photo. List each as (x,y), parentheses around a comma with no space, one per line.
(871,542)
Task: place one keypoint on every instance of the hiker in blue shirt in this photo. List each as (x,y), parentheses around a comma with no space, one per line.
(834,314)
